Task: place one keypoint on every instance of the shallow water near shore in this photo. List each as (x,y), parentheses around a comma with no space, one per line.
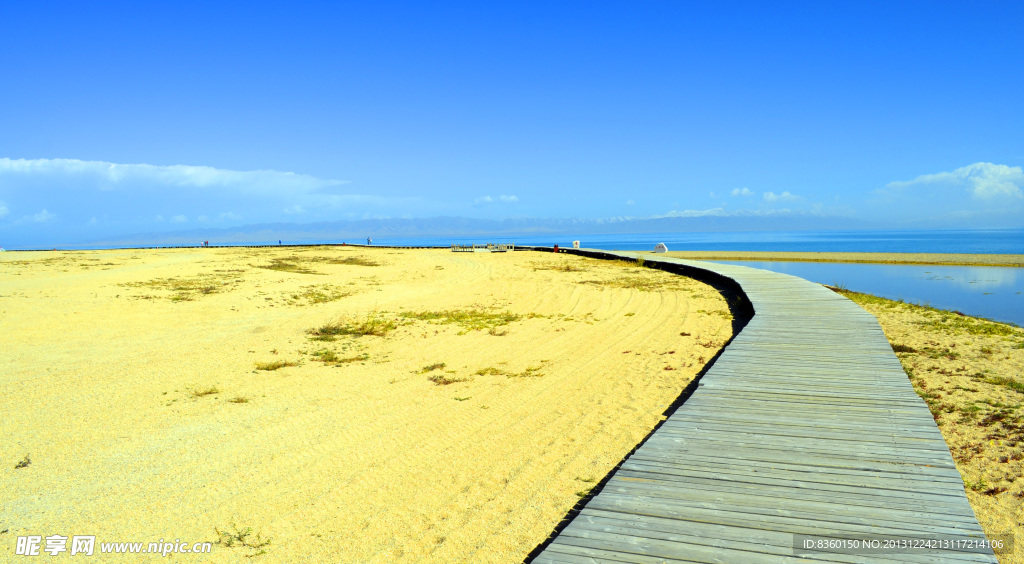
(982,291)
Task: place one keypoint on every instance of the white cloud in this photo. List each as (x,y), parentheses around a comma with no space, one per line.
(488,199)
(722,212)
(228,216)
(783,197)
(114,176)
(158,218)
(3,209)
(742,192)
(694,213)
(43,217)
(179,219)
(630,203)
(293,210)
(983,180)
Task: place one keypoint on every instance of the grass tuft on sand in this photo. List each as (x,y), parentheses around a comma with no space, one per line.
(275,365)
(474,319)
(372,324)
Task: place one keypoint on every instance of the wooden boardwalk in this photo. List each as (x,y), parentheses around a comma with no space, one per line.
(806,424)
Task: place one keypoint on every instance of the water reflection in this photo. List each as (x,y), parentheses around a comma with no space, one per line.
(984,291)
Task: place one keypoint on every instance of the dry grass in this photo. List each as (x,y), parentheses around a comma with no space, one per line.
(528,372)
(317,294)
(445,379)
(212,390)
(188,289)
(328,356)
(275,365)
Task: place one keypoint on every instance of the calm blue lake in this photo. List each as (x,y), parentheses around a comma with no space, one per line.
(982,291)
(994,241)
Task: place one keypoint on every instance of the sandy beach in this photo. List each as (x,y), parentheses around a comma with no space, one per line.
(344,404)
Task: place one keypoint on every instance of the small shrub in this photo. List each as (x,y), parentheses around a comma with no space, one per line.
(24,463)
(432,367)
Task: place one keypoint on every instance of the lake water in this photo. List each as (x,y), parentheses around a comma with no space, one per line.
(982,291)
(995,241)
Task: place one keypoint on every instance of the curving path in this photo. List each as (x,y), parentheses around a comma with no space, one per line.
(806,424)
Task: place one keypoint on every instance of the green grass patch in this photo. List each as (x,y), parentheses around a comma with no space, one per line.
(1007,382)
(287,264)
(468,319)
(374,325)
(432,367)
(940,320)
(357,261)
(187,289)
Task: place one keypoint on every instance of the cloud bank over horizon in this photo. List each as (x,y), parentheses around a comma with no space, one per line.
(978,195)
(48,201)
(79,199)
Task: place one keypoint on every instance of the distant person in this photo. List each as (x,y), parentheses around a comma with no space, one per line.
(278,241)
(369,241)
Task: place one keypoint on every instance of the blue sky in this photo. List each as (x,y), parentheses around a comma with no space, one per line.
(132,117)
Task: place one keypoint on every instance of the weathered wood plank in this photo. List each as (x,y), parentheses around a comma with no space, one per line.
(806,424)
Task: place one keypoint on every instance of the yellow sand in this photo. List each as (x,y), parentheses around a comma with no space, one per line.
(971,374)
(880,258)
(132,408)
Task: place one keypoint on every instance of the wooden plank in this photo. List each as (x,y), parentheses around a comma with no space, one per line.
(805,424)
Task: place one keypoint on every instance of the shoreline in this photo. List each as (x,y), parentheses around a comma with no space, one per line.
(939,259)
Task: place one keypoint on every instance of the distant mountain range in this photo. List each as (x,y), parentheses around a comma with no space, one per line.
(435,227)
